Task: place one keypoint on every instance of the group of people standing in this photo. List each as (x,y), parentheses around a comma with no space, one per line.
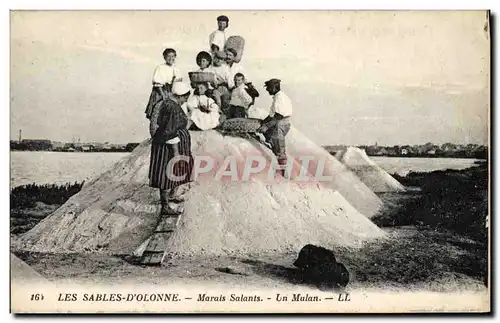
(218,90)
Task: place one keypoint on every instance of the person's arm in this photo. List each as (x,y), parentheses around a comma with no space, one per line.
(267,119)
(153,121)
(177,76)
(157,82)
(211,41)
(217,42)
(192,103)
(251,90)
(173,141)
(223,76)
(219,79)
(212,106)
(266,125)
(270,122)
(204,105)
(214,48)
(247,99)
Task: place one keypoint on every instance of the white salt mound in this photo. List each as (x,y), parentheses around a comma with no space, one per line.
(376,178)
(344,180)
(117,211)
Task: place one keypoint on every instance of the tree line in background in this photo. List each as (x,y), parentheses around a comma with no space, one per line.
(427,150)
(47,145)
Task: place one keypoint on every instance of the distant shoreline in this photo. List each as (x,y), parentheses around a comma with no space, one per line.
(332,153)
(79,152)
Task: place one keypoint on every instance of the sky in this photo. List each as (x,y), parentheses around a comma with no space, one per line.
(354,77)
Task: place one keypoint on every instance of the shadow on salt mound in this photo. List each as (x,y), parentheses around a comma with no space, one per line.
(368,171)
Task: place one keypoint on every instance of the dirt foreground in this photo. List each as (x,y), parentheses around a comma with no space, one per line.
(436,271)
(409,259)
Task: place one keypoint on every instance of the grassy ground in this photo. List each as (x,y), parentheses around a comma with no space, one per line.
(454,200)
(29,204)
(26,196)
(448,213)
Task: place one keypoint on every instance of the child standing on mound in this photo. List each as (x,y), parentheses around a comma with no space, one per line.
(221,92)
(217,39)
(240,97)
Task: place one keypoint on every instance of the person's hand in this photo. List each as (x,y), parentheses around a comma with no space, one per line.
(204,109)
(175,149)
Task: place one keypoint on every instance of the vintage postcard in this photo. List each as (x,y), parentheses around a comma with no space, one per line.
(249,161)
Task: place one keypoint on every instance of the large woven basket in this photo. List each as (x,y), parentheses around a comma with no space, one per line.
(201,77)
(240,125)
(238,44)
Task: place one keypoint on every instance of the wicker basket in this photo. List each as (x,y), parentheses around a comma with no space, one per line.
(241,125)
(201,77)
(238,44)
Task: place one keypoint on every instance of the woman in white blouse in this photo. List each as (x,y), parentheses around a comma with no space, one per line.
(163,78)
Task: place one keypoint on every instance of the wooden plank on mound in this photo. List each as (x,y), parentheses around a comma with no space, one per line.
(151,258)
(167,224)
(159,241)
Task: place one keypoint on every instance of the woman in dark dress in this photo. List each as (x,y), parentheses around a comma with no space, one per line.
(170,138)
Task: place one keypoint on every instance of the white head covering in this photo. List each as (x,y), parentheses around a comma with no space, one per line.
(180,88)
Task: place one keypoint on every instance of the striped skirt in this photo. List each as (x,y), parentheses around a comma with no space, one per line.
(160,176)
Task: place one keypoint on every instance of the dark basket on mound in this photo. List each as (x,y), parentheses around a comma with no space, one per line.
(201,77)
(238,125)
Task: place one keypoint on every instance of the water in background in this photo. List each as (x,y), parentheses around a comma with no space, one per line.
(60,168)
(42,167)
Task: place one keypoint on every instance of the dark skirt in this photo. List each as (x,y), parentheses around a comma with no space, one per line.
(154,98)
(161,154)
(225,96)
(236,111)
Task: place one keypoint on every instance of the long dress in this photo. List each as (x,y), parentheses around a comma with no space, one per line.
(203,120)
(169,121)
(163,77)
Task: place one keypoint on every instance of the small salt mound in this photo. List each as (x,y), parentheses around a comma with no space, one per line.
(117,211)
(343,179)
(368,171)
